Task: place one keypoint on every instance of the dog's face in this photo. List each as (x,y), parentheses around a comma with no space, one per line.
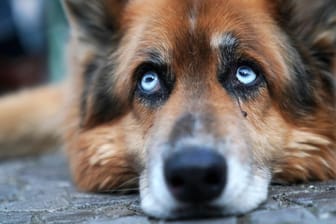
(209,97)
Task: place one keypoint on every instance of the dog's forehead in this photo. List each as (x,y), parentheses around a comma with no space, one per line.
(187,35)
(213,13)
(175,22)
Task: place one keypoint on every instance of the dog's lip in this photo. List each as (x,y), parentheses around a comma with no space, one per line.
(197,211)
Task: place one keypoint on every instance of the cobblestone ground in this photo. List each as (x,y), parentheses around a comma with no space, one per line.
(39,190)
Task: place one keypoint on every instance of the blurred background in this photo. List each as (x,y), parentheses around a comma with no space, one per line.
(33,34)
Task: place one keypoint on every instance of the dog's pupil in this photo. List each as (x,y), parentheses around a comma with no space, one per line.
(245,72)
(149,79)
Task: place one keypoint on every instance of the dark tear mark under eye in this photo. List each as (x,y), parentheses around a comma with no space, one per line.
(230,61)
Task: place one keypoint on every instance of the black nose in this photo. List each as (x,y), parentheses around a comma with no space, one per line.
(195,175)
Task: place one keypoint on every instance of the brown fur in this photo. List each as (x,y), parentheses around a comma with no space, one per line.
(269,45)
(288,125)
(30,121)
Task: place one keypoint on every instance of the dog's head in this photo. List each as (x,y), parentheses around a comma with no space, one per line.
(211,97)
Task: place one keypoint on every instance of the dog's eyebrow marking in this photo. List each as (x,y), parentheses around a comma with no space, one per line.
(153,56)
(156,57)
(224,41)
(227,44)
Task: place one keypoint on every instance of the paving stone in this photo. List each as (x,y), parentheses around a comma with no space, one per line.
(15,217)
(289,215)
(232,220)
(39,190)
(124,220)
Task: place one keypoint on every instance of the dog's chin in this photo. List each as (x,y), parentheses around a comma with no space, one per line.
(195,212)
(244,194)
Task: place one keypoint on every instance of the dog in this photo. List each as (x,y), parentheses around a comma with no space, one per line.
(200,103)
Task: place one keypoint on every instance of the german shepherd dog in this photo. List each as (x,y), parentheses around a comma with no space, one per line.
(203,103)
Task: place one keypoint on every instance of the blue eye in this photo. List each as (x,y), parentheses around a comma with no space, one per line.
(150,82)
(246,75)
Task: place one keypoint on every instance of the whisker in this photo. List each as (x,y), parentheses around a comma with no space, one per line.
(122,187)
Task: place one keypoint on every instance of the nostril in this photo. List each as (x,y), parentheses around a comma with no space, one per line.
(176,182)
(195,175)
(213,177)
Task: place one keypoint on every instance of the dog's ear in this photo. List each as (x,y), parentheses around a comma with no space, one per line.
(95,21)
(96,32)
(310,29)
(313,24)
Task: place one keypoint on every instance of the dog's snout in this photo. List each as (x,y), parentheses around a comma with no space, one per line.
(195,175)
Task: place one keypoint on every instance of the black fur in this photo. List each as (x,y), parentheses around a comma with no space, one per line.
(88,80)
(305,22)
(105,105)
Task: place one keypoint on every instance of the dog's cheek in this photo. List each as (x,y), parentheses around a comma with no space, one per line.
(266,129)
(100,161)
(306,156)
(137,137)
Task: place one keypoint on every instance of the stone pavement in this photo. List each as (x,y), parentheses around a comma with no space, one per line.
(39,190)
